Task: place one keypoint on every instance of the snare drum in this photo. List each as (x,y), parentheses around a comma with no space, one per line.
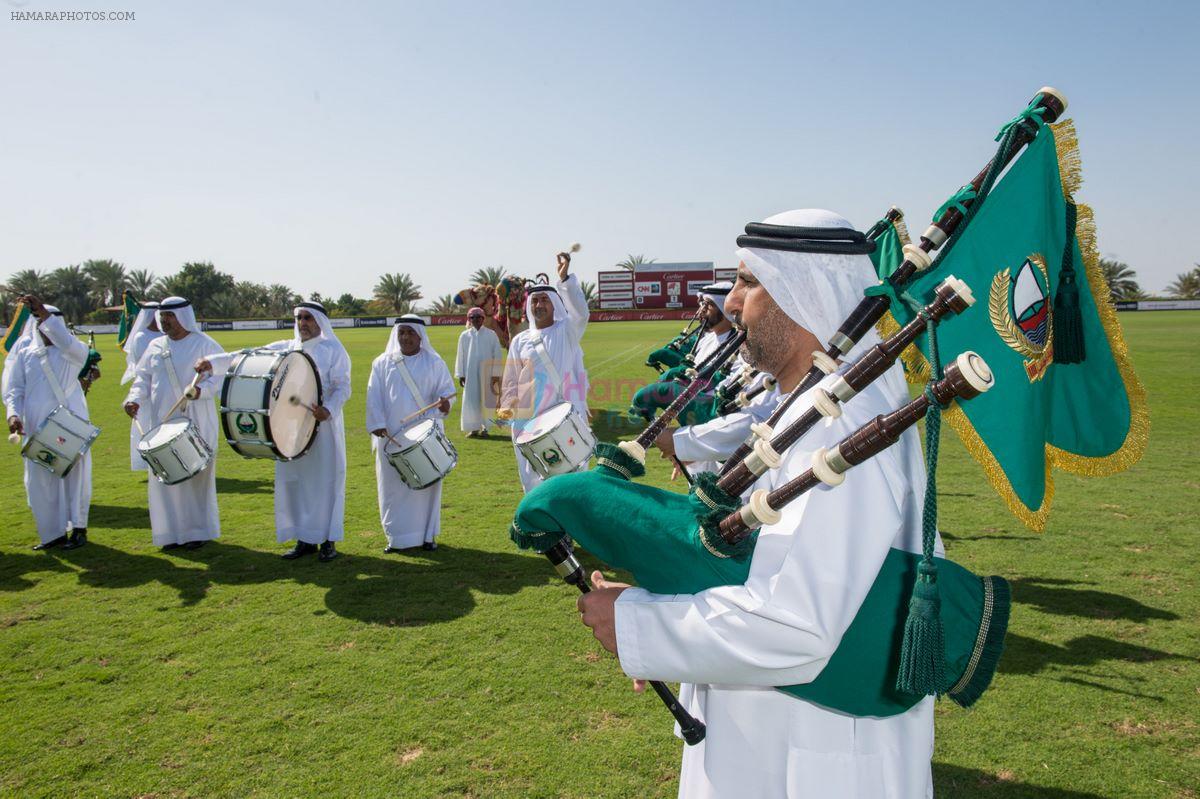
(60,441)
(265,401)
(175,451)
(425,457)
(557,441)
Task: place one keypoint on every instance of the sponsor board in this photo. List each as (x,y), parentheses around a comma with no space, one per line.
(369,321)
(260,324)
(1158,305)
(207,326)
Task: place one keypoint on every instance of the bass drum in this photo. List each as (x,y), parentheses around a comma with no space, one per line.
(265,404)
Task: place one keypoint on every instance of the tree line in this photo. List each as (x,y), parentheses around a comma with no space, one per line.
(91,292)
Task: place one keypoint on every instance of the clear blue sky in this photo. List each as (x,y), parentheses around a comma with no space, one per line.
(321,144)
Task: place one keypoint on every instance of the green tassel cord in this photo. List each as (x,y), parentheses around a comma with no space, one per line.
(1068,320)
(923,650)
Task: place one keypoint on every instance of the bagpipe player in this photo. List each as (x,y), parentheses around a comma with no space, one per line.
(808,576)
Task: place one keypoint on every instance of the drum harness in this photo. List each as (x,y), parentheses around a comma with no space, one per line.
(407,377)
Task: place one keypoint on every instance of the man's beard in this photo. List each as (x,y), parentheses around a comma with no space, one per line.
(768,344)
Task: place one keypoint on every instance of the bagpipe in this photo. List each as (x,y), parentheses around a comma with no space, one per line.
(90,372)
(927,625)
(676,381)
(678,349)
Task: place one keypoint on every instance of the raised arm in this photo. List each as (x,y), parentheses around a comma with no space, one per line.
(571,294)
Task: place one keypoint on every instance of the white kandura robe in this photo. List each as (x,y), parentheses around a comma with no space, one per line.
(59,504)
(527,384)
(135,347)
(480,358)
(310,492)
(703,446)
(409,518)
(709,343)
(185,511)
(808,577)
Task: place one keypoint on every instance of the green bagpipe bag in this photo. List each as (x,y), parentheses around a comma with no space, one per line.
(656,396)
(673,354)
(671,545)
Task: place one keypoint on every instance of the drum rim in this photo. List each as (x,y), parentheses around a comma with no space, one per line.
(279,356)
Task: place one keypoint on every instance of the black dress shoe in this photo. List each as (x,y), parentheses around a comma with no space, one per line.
(57,542)
(169,547)
(328,552)
(191,546)
(429,545)
(77,539)
(299,550)
(392,550)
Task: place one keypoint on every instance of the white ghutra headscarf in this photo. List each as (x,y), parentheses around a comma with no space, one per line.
(184,314)
(141,323)
(417,324)
(819,290)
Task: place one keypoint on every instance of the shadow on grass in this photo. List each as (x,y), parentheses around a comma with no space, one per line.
(118,517)
(1051,596)
(426,588)
(15,565)
(1024,655)
(951,781)
(233,485)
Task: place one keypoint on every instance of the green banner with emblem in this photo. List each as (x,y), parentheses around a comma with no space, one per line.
(1066,395)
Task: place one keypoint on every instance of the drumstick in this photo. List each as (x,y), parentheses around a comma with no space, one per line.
(417,413)
(179,402)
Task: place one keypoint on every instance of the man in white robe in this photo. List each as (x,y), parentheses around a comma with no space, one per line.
(808,576)
(310,492)
(144,330)
(43,374)
(408,376)
(545,361)
(184,514)
(718,326)
(478,367)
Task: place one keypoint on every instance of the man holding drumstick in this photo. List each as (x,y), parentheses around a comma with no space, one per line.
(409,383)
(184,514)
(809,573)
(545,362)
(41,376)
(310,492)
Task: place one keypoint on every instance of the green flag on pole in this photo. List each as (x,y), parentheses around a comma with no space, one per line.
(20,315)
(1066,394)
(128,315)
(889,246)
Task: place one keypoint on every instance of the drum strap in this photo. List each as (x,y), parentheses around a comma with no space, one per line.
(407,377)
(52,379)
(552,372)
(169,366)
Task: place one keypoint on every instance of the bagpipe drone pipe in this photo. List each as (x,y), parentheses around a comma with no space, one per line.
(1050,105)
(693,381)
(90,372)
(676,351)
(682,544)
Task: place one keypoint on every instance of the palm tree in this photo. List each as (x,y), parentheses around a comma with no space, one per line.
(72,292)
(1122,281)
(141,283)
(589,293)
(29,281)
(491,275)
(398,291)
(445,305)
(109,281)
(1186,285)
(281,299)
(227,305)
(632,262)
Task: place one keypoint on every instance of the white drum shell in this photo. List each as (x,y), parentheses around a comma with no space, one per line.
(425,457)
(60,441)
(557,442)
(175,451)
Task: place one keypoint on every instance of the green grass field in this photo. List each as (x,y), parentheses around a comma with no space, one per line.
(464,672)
